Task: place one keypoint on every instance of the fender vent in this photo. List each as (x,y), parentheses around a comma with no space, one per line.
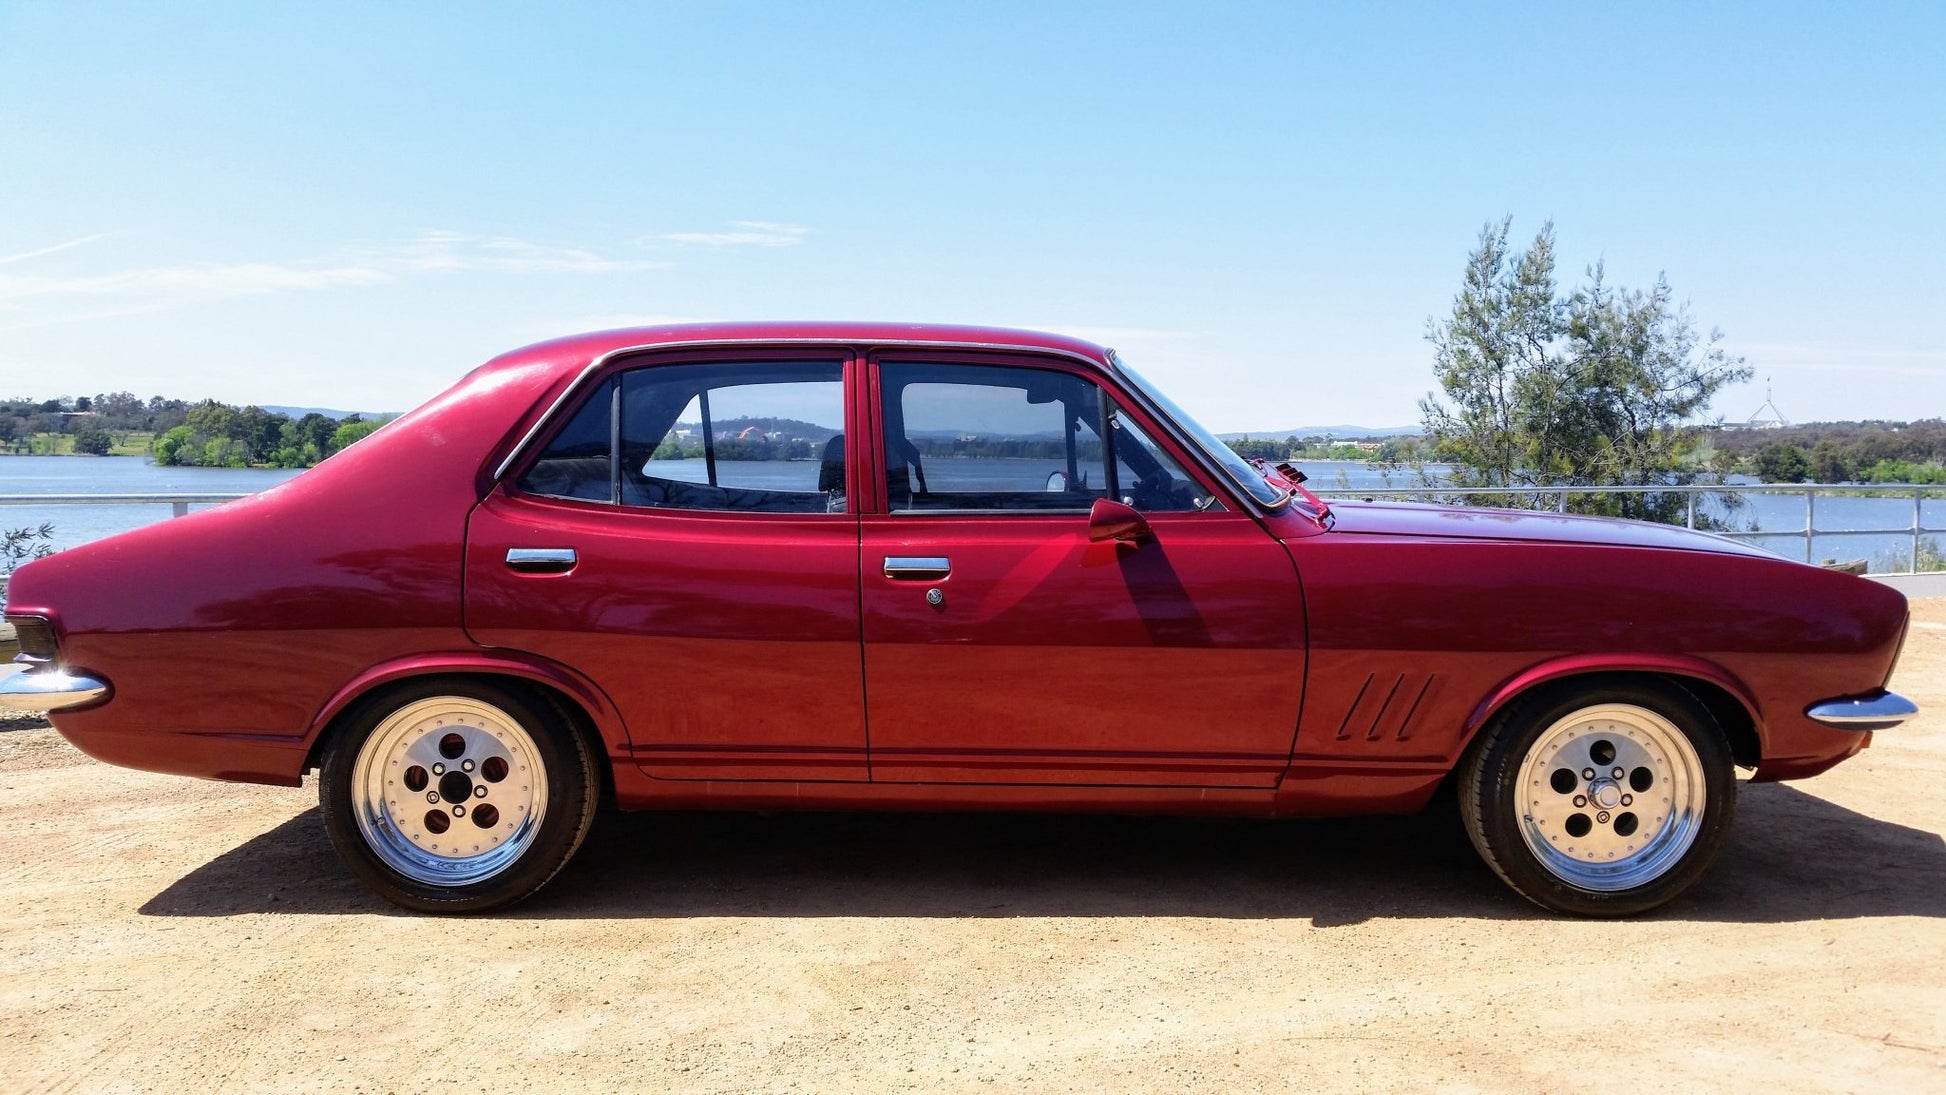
(1384,707)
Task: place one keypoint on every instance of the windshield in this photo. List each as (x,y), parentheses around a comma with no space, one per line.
(1238,468)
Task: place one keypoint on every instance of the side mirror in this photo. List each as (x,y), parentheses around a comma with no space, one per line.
(1111,520)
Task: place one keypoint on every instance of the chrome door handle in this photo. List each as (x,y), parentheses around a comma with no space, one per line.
(541,560)
(917,568)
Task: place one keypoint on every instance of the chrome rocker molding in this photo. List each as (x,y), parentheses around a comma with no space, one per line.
(48,689)
(1880,712)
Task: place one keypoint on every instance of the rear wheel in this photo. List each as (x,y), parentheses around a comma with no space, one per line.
(456,796)
(1604,801)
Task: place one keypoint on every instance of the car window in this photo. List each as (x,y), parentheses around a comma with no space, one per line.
(579,462)
(764,437)
(1149,478)
(1015,439)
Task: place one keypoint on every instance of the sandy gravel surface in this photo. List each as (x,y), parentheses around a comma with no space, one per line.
(163,934)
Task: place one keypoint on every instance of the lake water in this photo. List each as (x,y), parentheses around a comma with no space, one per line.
(113,475)
(1780,514)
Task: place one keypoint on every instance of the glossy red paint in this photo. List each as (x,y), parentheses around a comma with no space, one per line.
(1238,660)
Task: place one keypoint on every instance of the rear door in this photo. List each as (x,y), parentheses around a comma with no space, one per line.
(688,541)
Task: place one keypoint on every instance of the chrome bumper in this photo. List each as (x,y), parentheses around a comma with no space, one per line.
(1880,712)
(44,687)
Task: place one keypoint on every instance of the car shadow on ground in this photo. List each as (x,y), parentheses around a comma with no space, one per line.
(1792,857)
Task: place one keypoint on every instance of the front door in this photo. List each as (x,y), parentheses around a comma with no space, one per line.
(1002,645)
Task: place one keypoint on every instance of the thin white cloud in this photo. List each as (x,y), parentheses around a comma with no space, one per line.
(431,253)
(203,281)
(80,242)
(743,234)
(440,251)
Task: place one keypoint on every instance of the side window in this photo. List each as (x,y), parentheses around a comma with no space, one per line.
(578,463)
(1149,478)
(1017,439)
(981,437)
(755,437)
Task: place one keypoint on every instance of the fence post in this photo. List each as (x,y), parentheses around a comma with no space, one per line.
(1691,521)
(179,509)
(1810,520)
(1917,512)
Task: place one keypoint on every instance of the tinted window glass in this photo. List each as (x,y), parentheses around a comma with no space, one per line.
(757,437)
(1149,478)
(577,464)
(1015,438)
(978,437)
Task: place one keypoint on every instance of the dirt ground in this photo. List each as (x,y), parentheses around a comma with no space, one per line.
(163,934)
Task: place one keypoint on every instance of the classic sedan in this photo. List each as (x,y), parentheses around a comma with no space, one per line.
(894,567)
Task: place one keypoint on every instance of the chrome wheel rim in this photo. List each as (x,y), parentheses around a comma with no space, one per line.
(1610,797)
(449,790)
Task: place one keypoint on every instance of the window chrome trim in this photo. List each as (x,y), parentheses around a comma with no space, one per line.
(977,511)
(599,363)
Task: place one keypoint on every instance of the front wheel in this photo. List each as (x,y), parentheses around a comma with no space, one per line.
(456,796)
(1600,802)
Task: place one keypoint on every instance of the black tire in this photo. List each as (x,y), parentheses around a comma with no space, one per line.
(1573,836)
(430,792)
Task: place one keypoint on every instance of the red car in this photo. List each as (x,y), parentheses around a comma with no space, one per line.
(928,568)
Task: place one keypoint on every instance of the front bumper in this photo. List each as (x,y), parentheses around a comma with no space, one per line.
(43,686)
(1880,712)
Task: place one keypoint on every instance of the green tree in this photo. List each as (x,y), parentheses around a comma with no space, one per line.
(213,421)
(1829,465)
(1601,386)
(353,430)
(24,545)
(93,441)
(175,447)
(1782,463)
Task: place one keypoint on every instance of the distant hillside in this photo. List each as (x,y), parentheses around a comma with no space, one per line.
(300,412)
(1324,431)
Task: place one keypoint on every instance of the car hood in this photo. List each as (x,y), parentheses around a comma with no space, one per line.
(1464,523)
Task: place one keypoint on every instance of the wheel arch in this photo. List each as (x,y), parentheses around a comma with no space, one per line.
(1734,709)
(583,706)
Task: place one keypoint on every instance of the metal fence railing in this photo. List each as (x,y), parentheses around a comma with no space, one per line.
(178,503)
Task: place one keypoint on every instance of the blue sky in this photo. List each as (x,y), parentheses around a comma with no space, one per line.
(1261,205)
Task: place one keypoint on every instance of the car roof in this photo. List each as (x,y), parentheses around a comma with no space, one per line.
(583,348)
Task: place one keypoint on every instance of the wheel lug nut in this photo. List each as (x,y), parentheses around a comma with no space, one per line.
(468,766)
(1618,773)
(1586,773)
(438,769)
(460,811)
(1628,800)
(432,796)
(480,791)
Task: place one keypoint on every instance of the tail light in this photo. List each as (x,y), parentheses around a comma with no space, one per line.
(36,637)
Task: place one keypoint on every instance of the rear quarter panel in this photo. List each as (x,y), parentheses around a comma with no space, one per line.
(224,633)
